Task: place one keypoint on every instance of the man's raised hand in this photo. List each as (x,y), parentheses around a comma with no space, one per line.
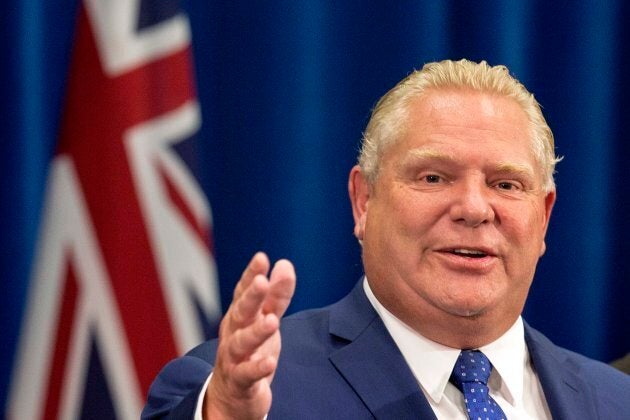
(249,342)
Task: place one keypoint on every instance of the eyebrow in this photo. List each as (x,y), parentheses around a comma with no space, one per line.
(515,168)
(421,154)
(427,154)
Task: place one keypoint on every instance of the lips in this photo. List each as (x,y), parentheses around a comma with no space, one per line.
(474,252)
(470,259)
(469,253)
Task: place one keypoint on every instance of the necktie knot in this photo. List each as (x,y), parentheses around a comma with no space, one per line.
(471,366)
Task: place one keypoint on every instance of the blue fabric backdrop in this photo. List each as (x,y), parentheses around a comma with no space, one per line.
(286,88)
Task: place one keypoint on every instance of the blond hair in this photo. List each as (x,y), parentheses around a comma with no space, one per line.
(391,112)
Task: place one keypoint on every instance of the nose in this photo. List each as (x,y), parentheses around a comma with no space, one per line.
(471,205)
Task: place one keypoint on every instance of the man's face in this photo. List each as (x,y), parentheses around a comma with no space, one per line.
(454,225)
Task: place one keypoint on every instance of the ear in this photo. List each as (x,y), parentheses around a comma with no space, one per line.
(550,200)
(359,191)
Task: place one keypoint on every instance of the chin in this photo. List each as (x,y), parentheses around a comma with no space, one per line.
(466,310)
(472,313)
(467,313)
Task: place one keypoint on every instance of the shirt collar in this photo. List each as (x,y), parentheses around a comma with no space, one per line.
(432,363)
(509,356)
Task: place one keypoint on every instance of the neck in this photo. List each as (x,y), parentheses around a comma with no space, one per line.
(471,332)
(451,330)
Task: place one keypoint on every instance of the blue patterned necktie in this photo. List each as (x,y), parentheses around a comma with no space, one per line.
(470,375)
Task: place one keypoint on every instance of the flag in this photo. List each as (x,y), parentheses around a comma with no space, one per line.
(124,279)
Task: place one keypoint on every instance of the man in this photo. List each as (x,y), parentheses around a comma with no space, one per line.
(451,201)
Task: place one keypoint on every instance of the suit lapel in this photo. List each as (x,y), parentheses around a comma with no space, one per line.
(376,370)
(568,395)
(372,364)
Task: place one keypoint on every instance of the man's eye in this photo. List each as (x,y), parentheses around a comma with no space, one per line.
(507,186)
(432,179)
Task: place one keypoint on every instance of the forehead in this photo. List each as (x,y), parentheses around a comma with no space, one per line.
(468,108)
(464,120)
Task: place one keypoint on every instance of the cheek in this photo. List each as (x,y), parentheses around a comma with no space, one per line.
(525,224)
(414,211)
(396,223)
(387,212)
(524,236)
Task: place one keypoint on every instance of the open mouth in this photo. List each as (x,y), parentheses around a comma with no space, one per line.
(468,253)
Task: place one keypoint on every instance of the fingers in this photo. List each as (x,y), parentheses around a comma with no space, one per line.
(249,354)
(281,288)
(259,299)
(259,264)
(245,342)
(248,373)
(246,308)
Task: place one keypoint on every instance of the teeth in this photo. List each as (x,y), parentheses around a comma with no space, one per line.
(468,252)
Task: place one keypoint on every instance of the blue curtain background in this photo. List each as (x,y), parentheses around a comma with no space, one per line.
(286,88)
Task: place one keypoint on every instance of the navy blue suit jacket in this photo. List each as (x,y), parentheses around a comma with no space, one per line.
(340,362)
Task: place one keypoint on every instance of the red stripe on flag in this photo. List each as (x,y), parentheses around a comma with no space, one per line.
(200,227)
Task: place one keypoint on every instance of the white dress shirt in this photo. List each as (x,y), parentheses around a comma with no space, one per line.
(513,383)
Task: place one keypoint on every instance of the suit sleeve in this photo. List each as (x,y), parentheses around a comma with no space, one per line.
(175,391)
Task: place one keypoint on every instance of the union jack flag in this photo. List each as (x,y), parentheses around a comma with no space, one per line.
(124,278)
